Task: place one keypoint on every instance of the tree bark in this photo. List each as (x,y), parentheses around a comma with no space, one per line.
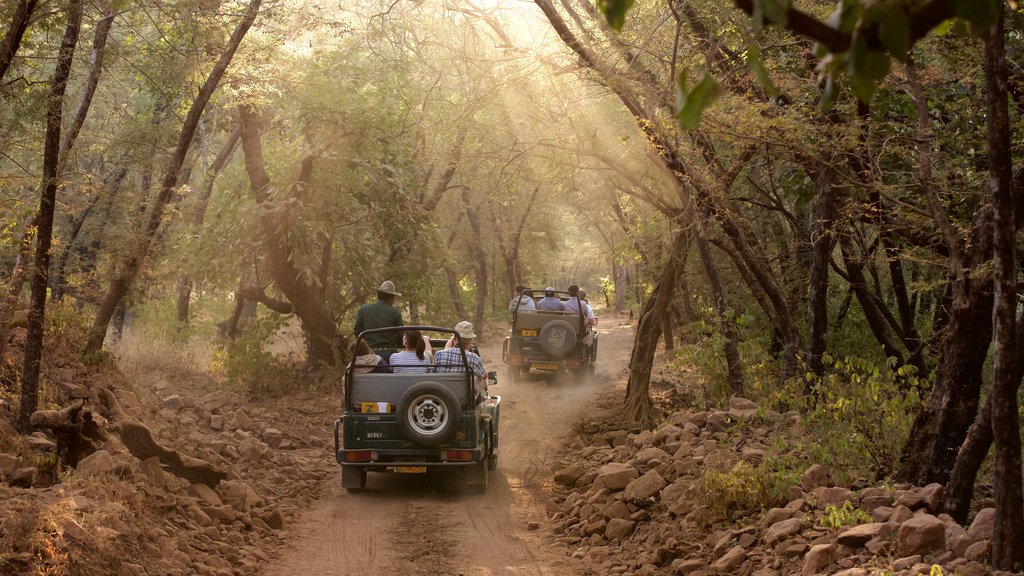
(317,322)
(638,407)
(92,80)
(44,219)
(12,39)
(185,283)
(1008,537)
(821,257)
(479,257)
(133,262)
(727,326)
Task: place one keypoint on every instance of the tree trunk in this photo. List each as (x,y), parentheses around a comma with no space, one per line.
(638,407)
(727,326)
(92,80)
(317,322)
(135,259)
(44,220)
(480,258)
(16,284)
(821,257)
(15,31)
(185,283)
(1008,538)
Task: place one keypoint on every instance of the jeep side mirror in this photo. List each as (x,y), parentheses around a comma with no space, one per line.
(493,377)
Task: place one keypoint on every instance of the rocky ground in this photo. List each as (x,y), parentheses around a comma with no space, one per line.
(641,504)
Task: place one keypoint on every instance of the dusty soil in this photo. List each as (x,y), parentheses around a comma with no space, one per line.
(411,524)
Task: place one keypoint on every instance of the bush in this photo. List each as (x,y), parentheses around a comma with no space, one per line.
(749,488)
(247,363)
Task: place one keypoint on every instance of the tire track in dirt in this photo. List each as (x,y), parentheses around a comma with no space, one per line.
(428,525)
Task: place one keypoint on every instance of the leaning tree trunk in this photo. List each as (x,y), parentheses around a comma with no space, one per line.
(129,269)
(480,257)
(92,80)
(44,219)
(638,406)
(12,39)
(185,283)
(725,324)
(317,322)
(1008,537)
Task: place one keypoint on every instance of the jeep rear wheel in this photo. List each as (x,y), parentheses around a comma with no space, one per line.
(428,413)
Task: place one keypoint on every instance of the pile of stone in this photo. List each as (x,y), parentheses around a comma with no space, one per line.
(635,506)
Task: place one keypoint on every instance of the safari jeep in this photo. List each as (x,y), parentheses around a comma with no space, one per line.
(549,341)
(415,423)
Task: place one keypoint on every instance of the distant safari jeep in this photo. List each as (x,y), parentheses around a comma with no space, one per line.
(549,341)
(417,422)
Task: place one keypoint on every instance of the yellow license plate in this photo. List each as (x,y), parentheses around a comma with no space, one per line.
(374,407)
(529,332)
(545,366)
(411,469)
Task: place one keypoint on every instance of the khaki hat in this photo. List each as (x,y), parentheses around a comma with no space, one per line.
(465,329)
(388,287)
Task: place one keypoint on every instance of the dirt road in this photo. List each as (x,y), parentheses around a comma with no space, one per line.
(426,525)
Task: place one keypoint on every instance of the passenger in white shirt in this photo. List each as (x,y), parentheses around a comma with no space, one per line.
(524,301)
(574,305)
(413,357)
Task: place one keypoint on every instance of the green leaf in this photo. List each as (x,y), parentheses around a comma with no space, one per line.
(615,11)
(692,104)
(863,87)
(894,32)
(759,71)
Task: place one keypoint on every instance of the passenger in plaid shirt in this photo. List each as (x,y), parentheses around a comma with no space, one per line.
(450,359)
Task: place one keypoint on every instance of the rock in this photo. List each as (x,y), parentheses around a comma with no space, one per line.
(616,509)
(205,494)
(153,470)
(814,477)
(777,515)
(239,495)
(217,400)
(274,519)
(39,441)
(686,567)
(644,487)
(252,449)
(857,536)
(852,572)
(742,409)
(882,513)
(24,477)
(241,421)
(73,531)
(730,561)
(8,464)
(667,434)
(614,476)
(931,495)
(910,499)
(99,462)
(983,524)
(569,476)
(216,421)
(900,514)
(921,534)
(643,439)
(782,529)
(977,552)
(174,403)
(907,562)
(717,421)
(272,437)
(837,496)
(819,558)
(618,528)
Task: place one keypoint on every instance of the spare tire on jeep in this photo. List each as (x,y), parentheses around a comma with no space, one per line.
(557,338)
(428,413)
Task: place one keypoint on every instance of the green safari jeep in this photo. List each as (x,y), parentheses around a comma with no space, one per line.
(420,422)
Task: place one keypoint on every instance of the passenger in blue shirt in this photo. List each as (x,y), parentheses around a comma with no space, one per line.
(550,301)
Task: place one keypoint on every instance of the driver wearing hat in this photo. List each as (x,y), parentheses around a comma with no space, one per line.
(381,314)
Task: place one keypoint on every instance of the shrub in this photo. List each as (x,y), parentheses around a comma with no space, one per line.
(748,488)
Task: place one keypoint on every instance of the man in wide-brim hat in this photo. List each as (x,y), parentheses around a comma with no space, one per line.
(381,314)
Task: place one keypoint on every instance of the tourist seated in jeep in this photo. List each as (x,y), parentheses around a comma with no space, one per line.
(521,302)
(365,360)
(450,359)
(575,305)
(413,356)
(550,302)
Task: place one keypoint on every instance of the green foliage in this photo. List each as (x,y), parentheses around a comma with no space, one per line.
(690,104)
(615,11)
(749,488)
(859,413)
(846,515)
(248,364)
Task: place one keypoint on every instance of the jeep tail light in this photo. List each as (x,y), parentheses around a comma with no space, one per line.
(457,455)
(360,456)
(573,363)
